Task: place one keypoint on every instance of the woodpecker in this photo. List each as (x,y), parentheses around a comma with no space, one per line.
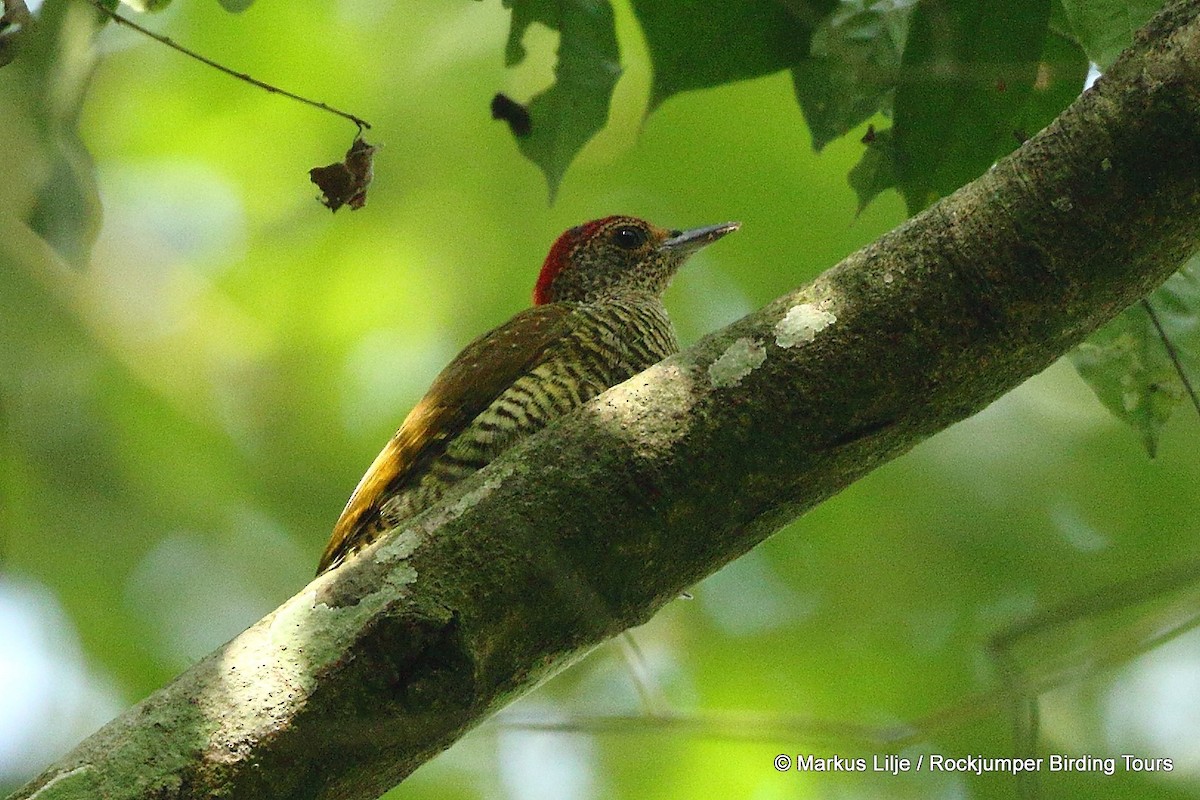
(597,319)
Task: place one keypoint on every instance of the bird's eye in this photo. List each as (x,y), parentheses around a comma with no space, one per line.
(628,237)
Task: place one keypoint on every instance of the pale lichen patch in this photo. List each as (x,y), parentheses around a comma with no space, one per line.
(396,552)
(801,324)
(397,548)
(650,411)
(739,359)
(72,783)
(401,546)
(494,479)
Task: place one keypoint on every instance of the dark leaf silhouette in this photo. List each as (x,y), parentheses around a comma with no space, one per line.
(346,182)
(512,112)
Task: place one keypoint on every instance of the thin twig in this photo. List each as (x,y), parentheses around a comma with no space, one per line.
(1172,353)
(755,726)
(1108,599)
(653,701)
(115,17)
(728,726)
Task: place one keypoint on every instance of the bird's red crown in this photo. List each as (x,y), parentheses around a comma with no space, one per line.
(560,254)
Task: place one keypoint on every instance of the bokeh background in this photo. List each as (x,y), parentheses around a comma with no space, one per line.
(182,420)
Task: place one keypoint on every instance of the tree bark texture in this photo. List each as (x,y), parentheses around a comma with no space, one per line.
(590,527)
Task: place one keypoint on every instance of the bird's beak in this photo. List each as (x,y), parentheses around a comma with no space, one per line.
(687,242)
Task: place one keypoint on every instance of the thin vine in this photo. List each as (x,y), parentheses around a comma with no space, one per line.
(158,37)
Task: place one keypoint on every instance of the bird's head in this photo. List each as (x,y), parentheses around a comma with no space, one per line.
(618,254)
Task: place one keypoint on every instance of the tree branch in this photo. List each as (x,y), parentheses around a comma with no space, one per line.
(592,526)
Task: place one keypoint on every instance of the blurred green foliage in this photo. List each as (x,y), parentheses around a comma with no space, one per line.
(1104,27)
(1145,363)
(968,70)
(183,418)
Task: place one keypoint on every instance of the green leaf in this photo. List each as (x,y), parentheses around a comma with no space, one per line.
(851,73)
(1061,75)
(696,45)
(1105,27)
(569,113)
(53,189)
(875,171)
(147,6)
(968,69)
(236,6)
(1128,366)
(1059,78)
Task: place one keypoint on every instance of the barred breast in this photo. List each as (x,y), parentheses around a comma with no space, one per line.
(608,342)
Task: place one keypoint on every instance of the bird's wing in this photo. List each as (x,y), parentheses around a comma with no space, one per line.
(467,386)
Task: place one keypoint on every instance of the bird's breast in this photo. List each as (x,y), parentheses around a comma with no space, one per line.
(606,344)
